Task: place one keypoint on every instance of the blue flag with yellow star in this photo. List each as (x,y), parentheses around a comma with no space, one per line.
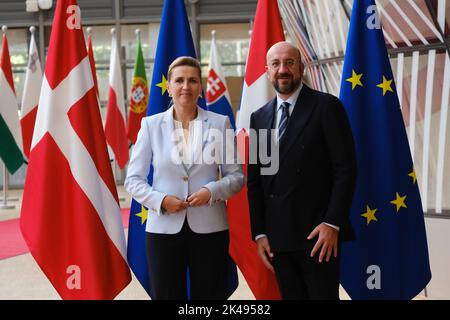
(174,40)
(389,258)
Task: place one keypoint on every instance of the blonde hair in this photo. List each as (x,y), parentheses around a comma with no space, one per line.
(184,61)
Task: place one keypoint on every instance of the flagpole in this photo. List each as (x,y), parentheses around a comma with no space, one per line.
(5,191)
(138,35)
(138,39)
(113,34)
(4,204)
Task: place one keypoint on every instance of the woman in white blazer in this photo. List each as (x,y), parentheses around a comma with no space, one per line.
(195,170)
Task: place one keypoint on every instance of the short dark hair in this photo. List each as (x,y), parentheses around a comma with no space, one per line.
(184,61)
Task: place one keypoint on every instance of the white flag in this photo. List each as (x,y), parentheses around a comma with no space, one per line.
(30,97)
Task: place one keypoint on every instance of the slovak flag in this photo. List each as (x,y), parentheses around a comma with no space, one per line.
(30,97)
(217,97)
(70,217)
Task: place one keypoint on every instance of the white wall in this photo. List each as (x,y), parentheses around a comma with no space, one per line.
(438,234)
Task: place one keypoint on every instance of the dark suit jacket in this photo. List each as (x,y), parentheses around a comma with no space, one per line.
(316,177)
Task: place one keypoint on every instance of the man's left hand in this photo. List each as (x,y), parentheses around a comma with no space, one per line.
(327,242)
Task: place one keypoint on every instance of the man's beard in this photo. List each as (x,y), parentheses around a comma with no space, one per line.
(288,88)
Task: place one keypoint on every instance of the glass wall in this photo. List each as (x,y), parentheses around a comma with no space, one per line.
(18,50)
(232,40)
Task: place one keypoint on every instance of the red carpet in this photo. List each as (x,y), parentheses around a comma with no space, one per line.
(12,243)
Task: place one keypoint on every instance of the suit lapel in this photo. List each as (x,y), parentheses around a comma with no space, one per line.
(299,118)
(269,114)
(268,123)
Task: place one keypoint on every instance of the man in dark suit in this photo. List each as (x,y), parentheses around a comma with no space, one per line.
(300,214)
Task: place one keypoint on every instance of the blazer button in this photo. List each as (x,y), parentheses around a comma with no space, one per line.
(298,171)
(271,196)
(185,179)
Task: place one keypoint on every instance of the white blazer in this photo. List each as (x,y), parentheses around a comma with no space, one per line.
(156,145)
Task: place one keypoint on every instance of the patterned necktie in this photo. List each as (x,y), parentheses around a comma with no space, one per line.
(284,120)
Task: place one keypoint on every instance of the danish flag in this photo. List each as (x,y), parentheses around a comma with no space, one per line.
(70,216)
(256,92)
(257,89)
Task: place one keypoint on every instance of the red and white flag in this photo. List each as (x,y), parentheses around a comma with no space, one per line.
(257,91)
(70,216)
(30,97)
(92,62)
(115,124)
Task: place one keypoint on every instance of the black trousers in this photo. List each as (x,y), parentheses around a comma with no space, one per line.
(301,277)
(205,255)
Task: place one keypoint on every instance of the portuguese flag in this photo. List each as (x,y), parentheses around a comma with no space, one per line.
(138,96)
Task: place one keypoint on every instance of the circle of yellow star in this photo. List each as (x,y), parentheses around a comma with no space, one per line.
(163,85)
(399,201)
(386,85)
(370,215)
(355,79)
(143,214)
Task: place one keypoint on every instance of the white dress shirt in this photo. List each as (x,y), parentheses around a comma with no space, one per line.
(186,147)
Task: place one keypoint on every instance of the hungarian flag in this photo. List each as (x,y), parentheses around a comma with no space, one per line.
(138,96)
(30,97)
(70,216)
(92,62)
(256,92)
(115,127)
(10,135)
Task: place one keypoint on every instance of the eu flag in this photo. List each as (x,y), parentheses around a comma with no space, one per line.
(389,258)
(174,40)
